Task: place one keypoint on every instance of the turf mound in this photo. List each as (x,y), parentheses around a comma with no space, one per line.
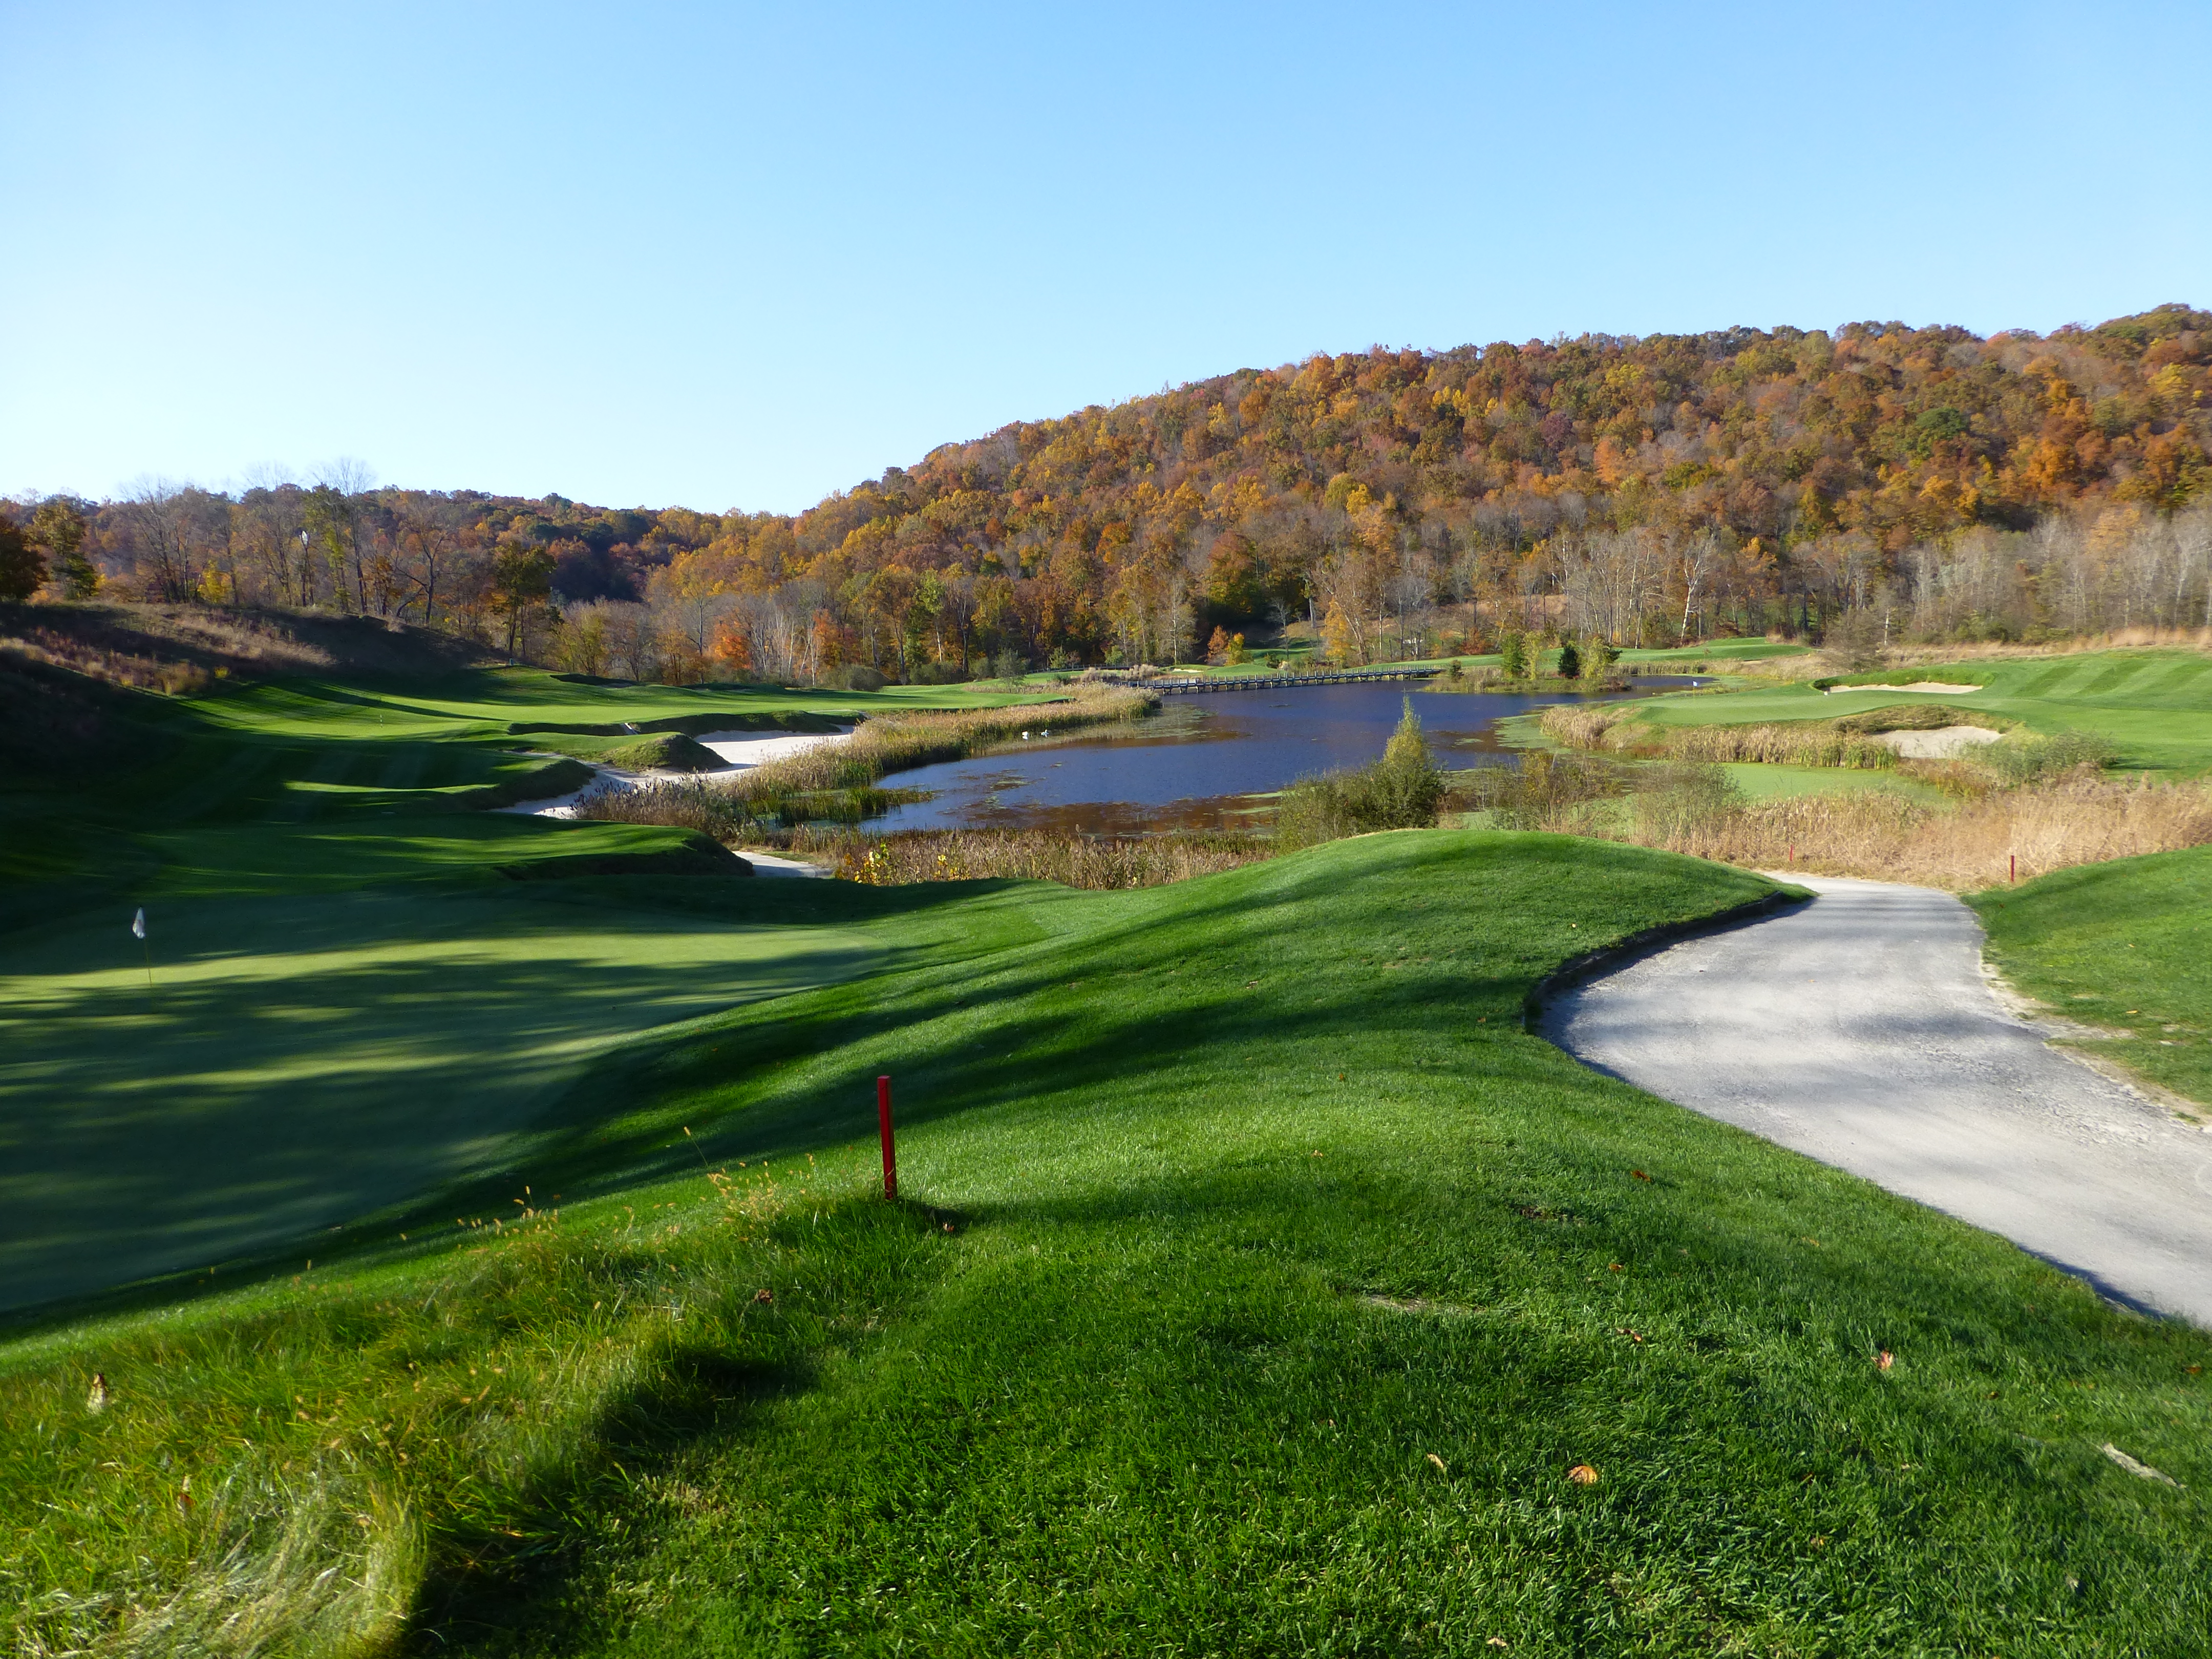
(173,647)
(669,751)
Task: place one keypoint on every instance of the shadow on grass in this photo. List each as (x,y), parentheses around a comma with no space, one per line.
(219,1122)
(493,1582)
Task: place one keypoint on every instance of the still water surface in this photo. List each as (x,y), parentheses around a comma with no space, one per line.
(1198,762)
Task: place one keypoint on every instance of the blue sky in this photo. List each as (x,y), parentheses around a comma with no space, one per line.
(723,255)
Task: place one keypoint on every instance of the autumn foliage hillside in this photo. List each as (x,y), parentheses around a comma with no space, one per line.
(1674,486)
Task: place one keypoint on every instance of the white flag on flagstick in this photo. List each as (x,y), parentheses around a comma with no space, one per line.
(138,923)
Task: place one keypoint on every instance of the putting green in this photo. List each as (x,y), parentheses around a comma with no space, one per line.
(2155,705)
(307,1059)
(1759,781)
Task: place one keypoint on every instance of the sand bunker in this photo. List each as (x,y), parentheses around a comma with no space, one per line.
(1945,743)
(740,751)
(753,749)
(772,864)
(1917,685)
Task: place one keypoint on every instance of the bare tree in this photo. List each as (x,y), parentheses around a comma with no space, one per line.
(335,510)
(428,538)
(156,510)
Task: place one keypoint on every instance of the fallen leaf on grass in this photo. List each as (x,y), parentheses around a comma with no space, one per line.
(1582,1475)
(1639,1174)
(1884,1360)
(764,1296)
(1439,1462)
(2143,1471)
(1614,1267)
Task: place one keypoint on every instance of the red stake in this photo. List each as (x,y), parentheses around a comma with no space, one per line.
(2013,858)
(891,1148)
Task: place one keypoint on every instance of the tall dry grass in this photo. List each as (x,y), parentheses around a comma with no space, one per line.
(835,782)
(140,671)
(892,743)
(2083,820)
(1092,862)
(1613,729)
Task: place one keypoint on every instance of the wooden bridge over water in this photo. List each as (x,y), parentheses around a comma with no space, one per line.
(1187,686)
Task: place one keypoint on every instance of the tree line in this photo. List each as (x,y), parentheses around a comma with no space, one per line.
(1927,482)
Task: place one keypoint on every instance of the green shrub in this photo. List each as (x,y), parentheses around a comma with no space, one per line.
(2023,758)
(1404,790)
(1545,789)
(1513,656)
(937,673)
(854,676)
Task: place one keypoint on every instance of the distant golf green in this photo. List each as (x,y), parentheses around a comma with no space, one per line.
(2155,705)
(1762,782)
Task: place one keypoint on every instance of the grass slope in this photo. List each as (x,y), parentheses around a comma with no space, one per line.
(144,776)
(1260,1283)
(2155,705)
(2126,945)
(364,988)
(301,1061)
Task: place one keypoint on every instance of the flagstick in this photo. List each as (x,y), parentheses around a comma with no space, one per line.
(149,963)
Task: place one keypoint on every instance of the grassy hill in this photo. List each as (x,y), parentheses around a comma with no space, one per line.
(509,1277)
(1259,1287)
(358,986)
(2122,947)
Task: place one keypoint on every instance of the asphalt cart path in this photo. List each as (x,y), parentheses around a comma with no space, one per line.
(1859,1029)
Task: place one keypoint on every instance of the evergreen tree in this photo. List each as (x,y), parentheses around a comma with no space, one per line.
(59,527)
(1570,662)
(22,565)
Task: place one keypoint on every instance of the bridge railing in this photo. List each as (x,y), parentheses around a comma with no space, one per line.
(1186,686)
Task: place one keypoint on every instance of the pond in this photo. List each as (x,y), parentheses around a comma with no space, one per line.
(1198,762)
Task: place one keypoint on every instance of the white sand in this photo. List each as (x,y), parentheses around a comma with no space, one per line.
(750,749)
(775,863)
(740,751)
(1917,685)
(1945,743)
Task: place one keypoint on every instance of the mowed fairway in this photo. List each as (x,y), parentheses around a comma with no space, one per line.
(352,1005)
(302,1061)
(2154,705)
